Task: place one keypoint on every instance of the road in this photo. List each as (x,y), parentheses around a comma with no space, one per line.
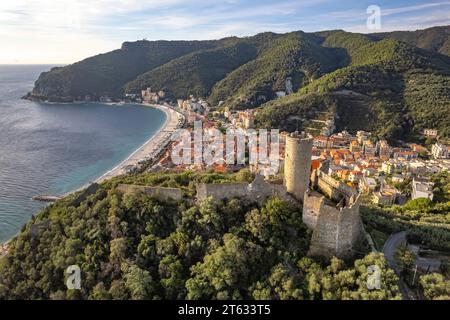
(392,243)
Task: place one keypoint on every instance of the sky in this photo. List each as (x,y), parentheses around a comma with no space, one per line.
(66,31)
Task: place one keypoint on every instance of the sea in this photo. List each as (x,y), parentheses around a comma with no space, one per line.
(53,149)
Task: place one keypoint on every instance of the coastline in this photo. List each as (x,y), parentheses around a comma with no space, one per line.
(155,144)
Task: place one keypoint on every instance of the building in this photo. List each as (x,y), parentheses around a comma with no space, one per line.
(337,227)
(432,133)
(440,151)
(367,185)
(149,96)
(384,150)
(391,167)
(246,119)
(422,188)
(383,198)
(370,149)
(320,142)
(362,136)
(406,155)
(355,147)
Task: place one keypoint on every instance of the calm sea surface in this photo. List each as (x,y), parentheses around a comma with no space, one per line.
(57,148)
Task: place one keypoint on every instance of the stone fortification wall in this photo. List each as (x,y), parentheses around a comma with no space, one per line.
(157,192)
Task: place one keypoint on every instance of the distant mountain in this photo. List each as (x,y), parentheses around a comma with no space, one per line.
(435,39)
(397,83)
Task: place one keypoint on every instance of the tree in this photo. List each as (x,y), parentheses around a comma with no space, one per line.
(138,282)
(172,275)
(99,292)
(435,286)
(283,284)
(406,258)
(118,291)
(227,270)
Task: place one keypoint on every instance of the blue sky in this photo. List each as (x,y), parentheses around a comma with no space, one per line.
(65,31)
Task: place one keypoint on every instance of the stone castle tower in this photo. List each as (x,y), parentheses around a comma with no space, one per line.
(336,227)
(297,164)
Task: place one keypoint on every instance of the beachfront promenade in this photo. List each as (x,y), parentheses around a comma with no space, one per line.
(153,147)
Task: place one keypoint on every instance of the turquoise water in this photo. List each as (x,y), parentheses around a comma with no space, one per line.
(57,148)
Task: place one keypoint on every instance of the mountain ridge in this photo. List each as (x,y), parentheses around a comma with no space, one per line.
(250,72)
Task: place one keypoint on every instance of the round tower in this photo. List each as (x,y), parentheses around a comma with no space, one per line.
(297,164)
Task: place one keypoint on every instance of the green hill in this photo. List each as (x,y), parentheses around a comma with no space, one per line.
(195,73)
(389,87)
(294,55)
(399,79)
(436,39)
(106,74)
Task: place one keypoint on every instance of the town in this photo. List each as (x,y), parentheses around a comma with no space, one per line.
(385,174)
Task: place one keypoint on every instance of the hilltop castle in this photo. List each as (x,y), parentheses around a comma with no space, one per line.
(332,214)
(330,207)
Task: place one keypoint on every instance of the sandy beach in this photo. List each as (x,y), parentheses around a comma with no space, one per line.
(150,148)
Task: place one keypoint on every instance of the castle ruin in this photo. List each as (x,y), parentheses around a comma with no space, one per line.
(331,212)
(259,191)
(330,207)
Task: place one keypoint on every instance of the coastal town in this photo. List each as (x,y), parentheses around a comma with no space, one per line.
(386,174)
(217,158)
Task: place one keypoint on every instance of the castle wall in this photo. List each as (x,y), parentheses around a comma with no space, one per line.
(221,191)
(157,192)
(259,190)
(311,208)
(336,230)
(333,188)
(297,164)
(349,230)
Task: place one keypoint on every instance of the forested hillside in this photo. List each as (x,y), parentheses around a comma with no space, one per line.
(106,74)
(295,55)
(132,246)
(196,73)
(435,39)
(388,87)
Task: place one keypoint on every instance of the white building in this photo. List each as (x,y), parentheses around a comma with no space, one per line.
(367,185)
(430,133)
(439,151)
(422,188)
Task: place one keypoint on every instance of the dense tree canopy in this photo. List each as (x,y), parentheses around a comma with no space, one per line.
(132,246)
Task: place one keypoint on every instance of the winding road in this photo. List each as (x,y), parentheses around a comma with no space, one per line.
(391,245)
